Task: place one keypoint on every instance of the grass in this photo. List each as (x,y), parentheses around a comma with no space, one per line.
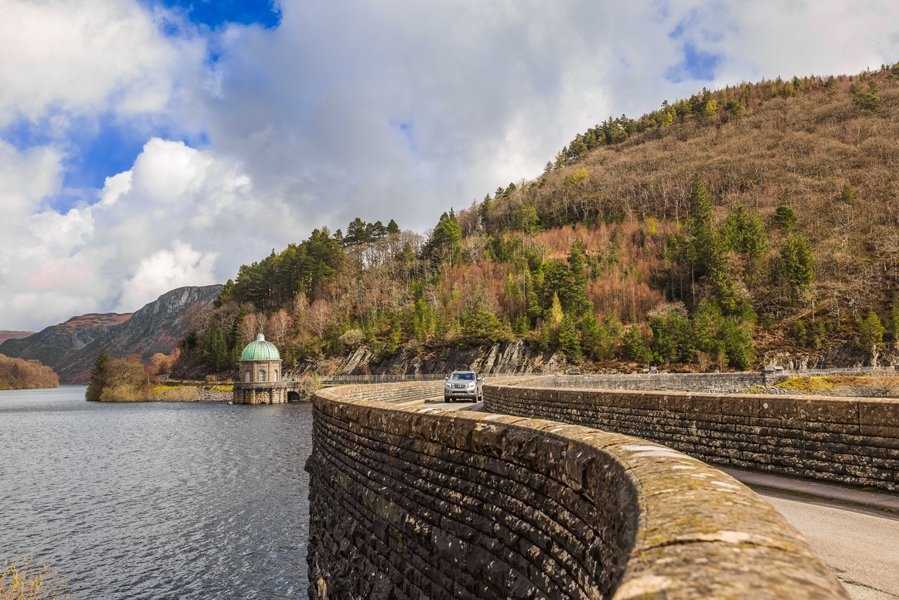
(880,386)
(28,583)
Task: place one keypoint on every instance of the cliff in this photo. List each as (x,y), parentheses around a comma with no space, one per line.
(71,348)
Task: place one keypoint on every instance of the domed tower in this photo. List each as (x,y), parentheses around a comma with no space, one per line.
(260,374)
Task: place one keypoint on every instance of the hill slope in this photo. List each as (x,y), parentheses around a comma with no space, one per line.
(71,348)
(733,228)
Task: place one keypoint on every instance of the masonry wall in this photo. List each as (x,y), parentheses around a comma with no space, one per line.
(414,501)
(852,441)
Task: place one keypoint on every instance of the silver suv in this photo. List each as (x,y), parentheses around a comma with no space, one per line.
(462,384)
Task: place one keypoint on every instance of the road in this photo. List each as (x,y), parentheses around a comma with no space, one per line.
(860,545)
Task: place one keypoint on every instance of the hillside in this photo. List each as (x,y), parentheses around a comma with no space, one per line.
(13,335)
(71,348)
(752,224)
(21,374)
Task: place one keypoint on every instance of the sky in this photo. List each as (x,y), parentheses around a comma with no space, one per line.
(150,144)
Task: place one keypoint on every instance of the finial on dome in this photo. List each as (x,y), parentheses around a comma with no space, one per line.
(260,337)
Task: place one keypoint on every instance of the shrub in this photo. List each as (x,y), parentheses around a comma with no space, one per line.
(351,338)
(784,218)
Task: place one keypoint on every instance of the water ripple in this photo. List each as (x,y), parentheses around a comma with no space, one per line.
(155,500)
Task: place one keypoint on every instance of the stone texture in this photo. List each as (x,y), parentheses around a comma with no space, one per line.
(410,501)
(853,441)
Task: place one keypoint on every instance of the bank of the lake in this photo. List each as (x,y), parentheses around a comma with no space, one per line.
(156,500)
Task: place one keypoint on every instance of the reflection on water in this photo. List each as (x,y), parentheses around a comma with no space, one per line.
(155,500)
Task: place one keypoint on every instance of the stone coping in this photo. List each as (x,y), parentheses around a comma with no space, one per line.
(697,532)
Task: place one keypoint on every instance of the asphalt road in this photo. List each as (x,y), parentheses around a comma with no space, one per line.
(860,545)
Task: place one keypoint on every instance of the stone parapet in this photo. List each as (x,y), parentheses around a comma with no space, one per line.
(853,441)
(414,501)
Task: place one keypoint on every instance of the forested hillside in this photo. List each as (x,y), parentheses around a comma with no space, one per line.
(20,374)
(721,231)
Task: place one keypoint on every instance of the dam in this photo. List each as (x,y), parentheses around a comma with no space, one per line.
(573,487)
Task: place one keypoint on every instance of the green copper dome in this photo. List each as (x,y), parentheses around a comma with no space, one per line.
(259,350)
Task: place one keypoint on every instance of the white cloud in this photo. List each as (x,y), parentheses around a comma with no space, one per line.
(68,57)
(180,216)
(166,270)
(371,108)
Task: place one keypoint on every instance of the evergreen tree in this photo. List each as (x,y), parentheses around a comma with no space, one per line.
(796,266)
(569,343)
(445,243)
(555,314)
(702,240)
(393,228)
(870,334)
(784,218)
(99,378)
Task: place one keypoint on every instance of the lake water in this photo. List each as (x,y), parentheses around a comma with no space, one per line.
(155,500)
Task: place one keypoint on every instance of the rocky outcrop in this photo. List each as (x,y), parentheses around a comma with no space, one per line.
(71,348)
(499,358)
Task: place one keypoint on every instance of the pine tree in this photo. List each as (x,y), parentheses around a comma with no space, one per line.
(99,378)
(796,266)
(393,228)
(870,334)
(569,343)
(555,314)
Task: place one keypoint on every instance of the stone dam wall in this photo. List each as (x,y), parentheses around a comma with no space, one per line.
(413,500)
(852,441)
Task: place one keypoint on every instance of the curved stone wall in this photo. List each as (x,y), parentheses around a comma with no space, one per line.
(410,500)
(853,441)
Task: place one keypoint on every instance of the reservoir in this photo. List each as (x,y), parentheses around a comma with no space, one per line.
(155,500)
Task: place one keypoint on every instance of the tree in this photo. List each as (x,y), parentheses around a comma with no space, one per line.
(894,319)
(635,345)
(784,218)
(702,239)
(796,266)
(870,334)
(569,342)
(445,243)
(744,233)
(99,378)
(555,314)
(393,228)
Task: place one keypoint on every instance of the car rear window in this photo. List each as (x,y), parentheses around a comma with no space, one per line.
(463,376)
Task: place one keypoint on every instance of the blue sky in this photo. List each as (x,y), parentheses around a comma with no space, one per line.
(104,145)
(140,138)
(216,13)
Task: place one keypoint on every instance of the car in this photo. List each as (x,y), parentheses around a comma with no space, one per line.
(465,385)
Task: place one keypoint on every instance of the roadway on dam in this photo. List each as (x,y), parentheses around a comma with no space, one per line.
(855,532)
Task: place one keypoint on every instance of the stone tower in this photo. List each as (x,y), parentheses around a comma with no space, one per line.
(260,375)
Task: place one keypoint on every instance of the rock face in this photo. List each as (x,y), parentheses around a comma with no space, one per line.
(71,348)
(489,359)
(410,502)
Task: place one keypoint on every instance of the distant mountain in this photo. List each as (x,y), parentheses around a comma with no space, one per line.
(13,335)
(71,348)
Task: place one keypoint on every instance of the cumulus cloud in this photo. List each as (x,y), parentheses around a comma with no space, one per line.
(165,270)
(66,57)
(179,216)
(372,108)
